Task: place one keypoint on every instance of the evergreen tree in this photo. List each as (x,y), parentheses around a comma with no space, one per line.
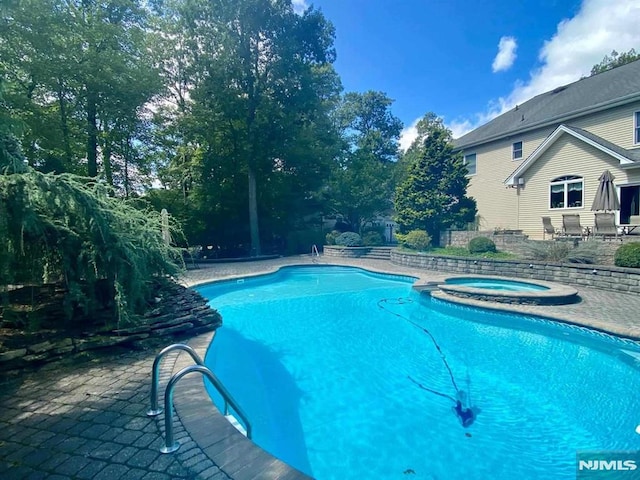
(432,196)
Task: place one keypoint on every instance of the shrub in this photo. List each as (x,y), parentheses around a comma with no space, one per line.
(415,240)
(481,245)
(562,251)
(628,255)
(546,251)
(349,239)
(372,239)
(330,238)
(584,252)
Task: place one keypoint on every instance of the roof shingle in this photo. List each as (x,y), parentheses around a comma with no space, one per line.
(561,104)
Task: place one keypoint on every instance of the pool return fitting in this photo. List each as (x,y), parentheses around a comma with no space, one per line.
(170,444)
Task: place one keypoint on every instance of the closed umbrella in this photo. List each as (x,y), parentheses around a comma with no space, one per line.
(164,219)
(606,196)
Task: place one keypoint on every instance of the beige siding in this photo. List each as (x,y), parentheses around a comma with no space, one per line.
(496,202)
(614,125)
(567,156)
(502,207)
(633,176)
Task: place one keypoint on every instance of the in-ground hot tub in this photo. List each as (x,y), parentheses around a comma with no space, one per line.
(508,290)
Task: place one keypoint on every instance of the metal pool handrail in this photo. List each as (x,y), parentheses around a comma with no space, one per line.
(170,444)
(155,373)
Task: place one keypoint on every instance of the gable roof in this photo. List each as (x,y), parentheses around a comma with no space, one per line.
(617,86)
(627,158)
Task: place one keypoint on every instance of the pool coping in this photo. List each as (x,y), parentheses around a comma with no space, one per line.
(555,293)
(236,455)
(242,459)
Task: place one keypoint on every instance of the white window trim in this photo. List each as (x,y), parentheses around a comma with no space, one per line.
(636,128)
(464,162)
(565,183)
(513,151)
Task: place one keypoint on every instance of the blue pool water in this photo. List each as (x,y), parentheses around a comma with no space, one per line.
(326,363)
(496,284)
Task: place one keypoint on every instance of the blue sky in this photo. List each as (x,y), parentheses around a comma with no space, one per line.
(443,56)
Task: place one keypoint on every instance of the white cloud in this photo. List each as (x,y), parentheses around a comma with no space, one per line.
(579,43)
(408,135)
(299,6)
(459,128)
(506,54)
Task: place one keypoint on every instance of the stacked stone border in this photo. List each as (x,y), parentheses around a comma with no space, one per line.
(375,253)
(179,311)
(603,277)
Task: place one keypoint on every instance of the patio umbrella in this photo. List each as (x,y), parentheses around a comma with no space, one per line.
(164,219)
(606,196)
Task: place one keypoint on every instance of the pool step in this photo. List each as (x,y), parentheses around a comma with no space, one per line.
(233,421)
(428,286)
(375,253)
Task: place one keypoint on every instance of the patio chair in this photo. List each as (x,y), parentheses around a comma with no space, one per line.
(548,228)
(571,226)
(605,225)
(634,222)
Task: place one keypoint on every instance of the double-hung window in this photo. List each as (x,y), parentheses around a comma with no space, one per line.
(566,192)
(470,162)
(517,151)
(636,131)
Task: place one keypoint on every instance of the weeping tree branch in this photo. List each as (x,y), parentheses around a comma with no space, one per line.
(68,229)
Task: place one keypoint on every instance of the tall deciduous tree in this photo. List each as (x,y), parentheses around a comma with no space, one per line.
(362,182)
(258,105)
(432,196)
(78,74)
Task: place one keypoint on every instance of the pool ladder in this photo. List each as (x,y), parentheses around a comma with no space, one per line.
(314,253)
(170,444)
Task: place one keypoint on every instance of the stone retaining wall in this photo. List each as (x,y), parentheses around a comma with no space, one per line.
(179,311)
(380,253)
(516,243)
(597,276)
(504,242)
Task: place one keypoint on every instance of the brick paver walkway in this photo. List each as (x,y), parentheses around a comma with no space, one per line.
(87,420)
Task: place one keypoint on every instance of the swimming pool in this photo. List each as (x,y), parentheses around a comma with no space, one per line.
(336,371)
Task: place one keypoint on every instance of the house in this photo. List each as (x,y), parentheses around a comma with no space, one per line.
(544,157)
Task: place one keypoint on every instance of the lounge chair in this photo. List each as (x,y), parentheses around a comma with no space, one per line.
(634,222)
(571,226)
(606,225)
(548,228)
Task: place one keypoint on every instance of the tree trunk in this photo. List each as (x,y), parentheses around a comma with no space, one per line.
(64,126)
(106,160)
(92,135)
(253,215)
(126,168)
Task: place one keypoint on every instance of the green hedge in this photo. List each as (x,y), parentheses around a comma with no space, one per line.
(415,240)
(482,245)
(628,255)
